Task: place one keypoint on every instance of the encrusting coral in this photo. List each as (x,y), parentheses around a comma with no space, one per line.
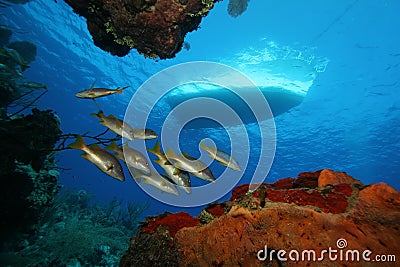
(314,211)
(156,28)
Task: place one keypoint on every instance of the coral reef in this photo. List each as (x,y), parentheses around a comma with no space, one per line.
(76,232)
(157,232)
(27,167)
(14,60)
(316,211)
(156,28)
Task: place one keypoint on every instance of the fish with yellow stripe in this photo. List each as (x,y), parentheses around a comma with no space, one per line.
(103,160)
(190,164)
(130,156)
(124,129)
(157,180)
(92,92)
(179,177)
(222,157)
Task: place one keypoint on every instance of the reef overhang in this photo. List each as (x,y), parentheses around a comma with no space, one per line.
(156,28)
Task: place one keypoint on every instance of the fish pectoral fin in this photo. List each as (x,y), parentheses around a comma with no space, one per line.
(176,172)
(85,156)
(119,123)
(110,167)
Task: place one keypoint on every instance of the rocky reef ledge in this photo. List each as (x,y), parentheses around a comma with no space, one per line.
(290,219)
(156,28)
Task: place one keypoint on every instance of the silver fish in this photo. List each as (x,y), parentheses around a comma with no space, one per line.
(116,125)
(222,157)
(92,92)
(190,164)
(105,161)
(131,157)
(179,177)
(157,180)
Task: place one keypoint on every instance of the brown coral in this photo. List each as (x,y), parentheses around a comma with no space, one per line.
(156,28)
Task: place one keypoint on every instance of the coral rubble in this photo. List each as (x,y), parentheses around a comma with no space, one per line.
(315,211)
(156,28)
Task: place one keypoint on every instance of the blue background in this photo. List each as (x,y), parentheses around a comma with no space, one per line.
(349,121)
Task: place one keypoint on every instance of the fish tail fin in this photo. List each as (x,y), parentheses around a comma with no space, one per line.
(99,114)
(170,154)
(156,150)
(78,144)
(119,91)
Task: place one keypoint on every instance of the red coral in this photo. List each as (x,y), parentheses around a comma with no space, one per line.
(239,191)
(285,183)
(174,222)
(306,180)
(216,209)
(333,202)
(345,189)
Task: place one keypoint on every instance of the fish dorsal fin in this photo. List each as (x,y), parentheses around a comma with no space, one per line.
(156,150)
(95,146)
(120,156)
(113,147)
(92,86)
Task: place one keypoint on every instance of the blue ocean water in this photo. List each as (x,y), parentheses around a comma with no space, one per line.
(348,121)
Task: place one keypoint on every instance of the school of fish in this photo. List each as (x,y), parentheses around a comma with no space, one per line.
(177,168)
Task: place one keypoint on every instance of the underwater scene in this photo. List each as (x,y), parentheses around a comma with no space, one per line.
(199,133)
